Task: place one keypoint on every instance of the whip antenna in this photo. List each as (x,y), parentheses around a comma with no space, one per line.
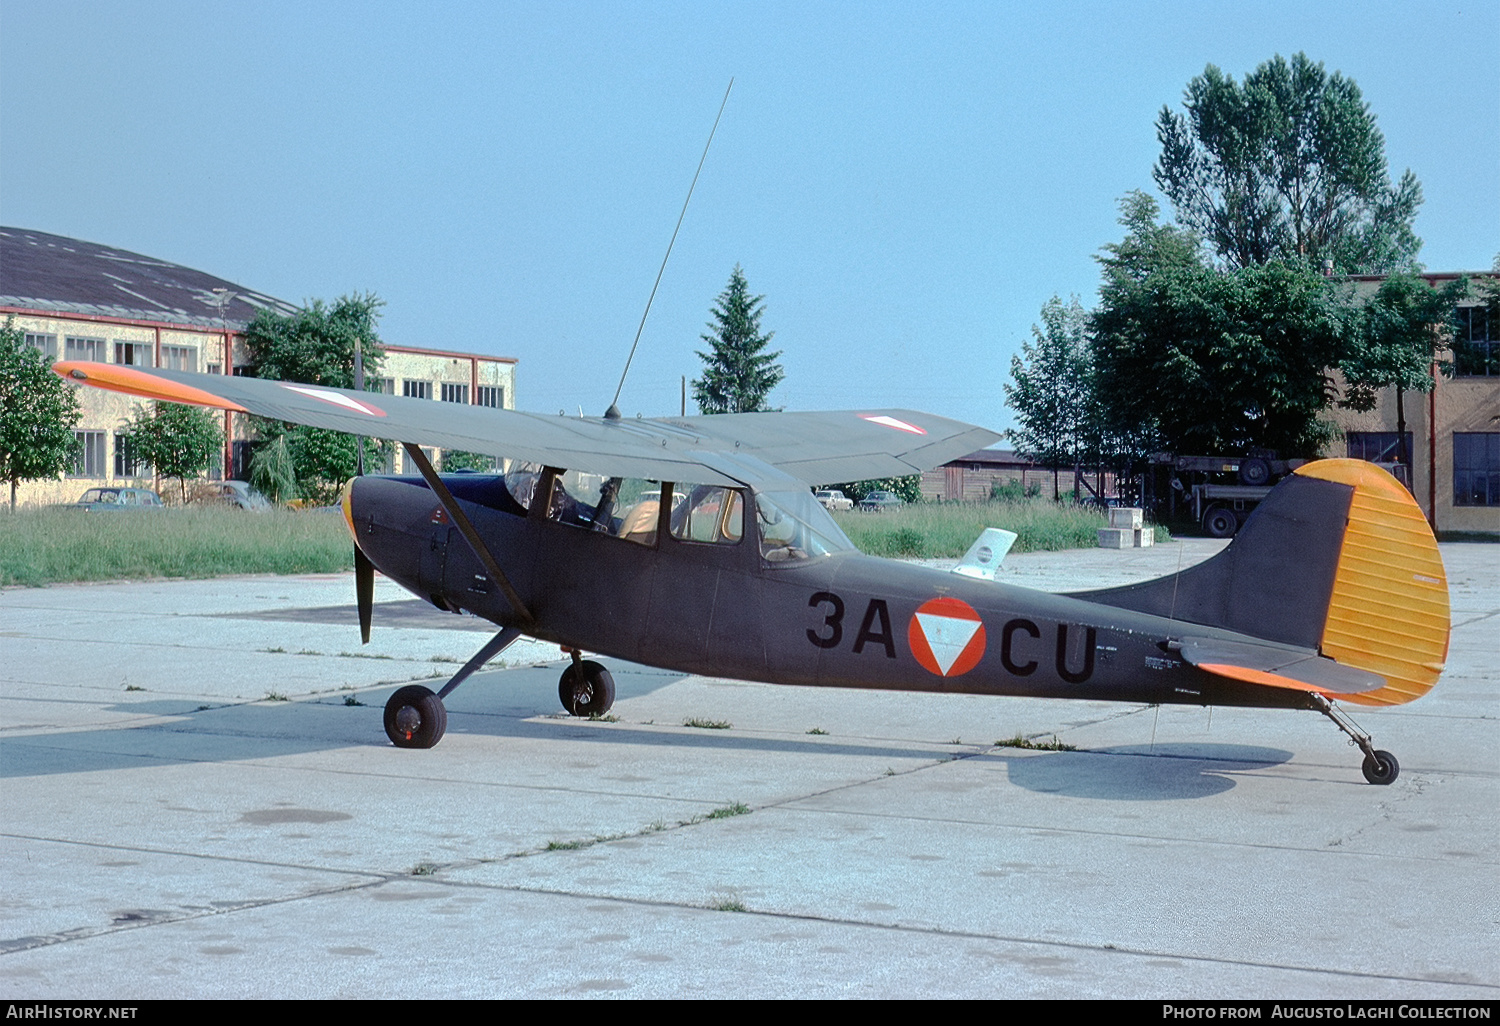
(613,413)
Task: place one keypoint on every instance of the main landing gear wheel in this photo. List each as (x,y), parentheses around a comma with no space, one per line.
(1381,768)
(415,717)
(586,689)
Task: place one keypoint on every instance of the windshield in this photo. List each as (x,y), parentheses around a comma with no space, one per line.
(794,527)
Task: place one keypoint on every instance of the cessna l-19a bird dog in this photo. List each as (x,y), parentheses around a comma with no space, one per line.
(695,544)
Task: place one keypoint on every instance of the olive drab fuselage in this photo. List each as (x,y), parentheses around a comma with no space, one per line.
(838,620)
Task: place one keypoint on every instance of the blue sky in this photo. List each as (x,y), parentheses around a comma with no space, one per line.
(906,184)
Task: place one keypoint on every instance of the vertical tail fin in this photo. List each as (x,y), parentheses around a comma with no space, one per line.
(1338,558)
(1388,612)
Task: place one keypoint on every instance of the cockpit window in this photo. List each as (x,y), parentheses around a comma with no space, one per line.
(710,514)
(520,482)
(623,507)
(795,527)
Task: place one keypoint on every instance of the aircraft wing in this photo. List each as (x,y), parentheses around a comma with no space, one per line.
(814,448)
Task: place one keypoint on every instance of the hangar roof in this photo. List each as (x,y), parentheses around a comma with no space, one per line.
(39,271)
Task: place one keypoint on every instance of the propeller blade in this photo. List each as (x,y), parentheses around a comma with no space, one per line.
(364,590)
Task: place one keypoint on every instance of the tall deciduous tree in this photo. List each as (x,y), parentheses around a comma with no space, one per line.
(1287,165)
(1050,389)
(1212,362)
(316,346)
(37,413)
(738,374)
(178,441)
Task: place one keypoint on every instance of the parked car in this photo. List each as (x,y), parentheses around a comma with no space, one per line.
(111,500)
(240,495)
(833,499)
(879,502)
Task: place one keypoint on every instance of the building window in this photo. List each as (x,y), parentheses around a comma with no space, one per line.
(179,358)
(490,395)
(455,393)
(85,349)
(1476,350)
(44,344)
(1377,446)
(213,368)
(388,386)
(133,354)
(416,389)
(88,460)
(127,463)
(1476,468)
(244,370)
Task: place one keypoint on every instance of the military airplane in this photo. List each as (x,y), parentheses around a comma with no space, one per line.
(695,544)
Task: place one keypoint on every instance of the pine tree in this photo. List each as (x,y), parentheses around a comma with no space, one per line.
(737,373)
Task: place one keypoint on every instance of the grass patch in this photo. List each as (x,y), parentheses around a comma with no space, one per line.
(51,546)
(603,718)
(693,721)
(424,869)
(945,530)
(569,845)
(818,730)
(720,903)
(352,700)
(276,696)
(737,809)
(1021,741)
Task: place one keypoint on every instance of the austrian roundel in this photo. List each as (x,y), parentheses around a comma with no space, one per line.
(946,636)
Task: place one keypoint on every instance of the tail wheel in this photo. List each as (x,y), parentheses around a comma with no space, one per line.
(586,689)
(1220,522)
(415,718)
(1381,767)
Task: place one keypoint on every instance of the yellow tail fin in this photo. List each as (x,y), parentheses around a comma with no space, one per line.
(1389,609)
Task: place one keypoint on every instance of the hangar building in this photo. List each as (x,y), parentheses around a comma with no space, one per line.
(80,300)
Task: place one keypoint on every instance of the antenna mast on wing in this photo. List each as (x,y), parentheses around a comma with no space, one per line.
(613,413)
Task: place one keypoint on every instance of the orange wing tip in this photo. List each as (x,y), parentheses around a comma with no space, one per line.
(1262,677)
(132,381)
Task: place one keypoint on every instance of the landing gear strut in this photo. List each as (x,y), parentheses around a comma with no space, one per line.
(416,718)
(1380,767)
(586,688)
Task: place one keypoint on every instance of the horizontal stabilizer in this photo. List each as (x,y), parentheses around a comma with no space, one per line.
(1278,666)
(986,554)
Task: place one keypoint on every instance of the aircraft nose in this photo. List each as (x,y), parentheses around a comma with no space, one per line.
(346,503)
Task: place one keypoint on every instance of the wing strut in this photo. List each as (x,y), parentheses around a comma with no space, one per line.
(466,528)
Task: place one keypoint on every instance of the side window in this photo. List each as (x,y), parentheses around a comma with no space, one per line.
(180,358)
(76,348)
(622,507)
(1476,468)
(710,514)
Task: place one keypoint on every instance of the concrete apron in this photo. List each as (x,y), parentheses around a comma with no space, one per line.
(199,801)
